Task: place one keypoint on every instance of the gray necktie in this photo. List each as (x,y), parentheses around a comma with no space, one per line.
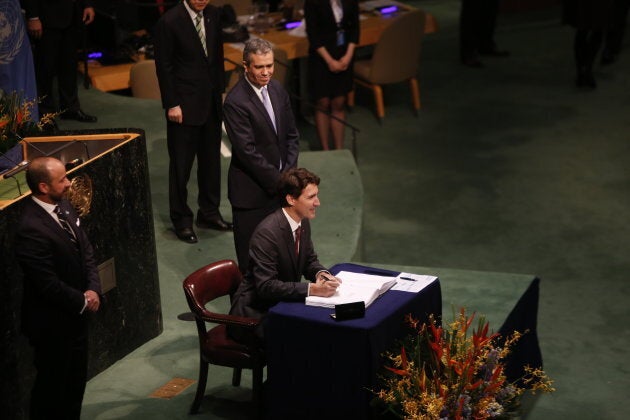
(268,107)
(198,27)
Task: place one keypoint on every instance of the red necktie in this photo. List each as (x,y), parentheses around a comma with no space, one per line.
(298,234)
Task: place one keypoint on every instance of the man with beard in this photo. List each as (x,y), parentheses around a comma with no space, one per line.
(61,286)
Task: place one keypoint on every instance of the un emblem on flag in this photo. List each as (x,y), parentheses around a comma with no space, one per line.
(12,31)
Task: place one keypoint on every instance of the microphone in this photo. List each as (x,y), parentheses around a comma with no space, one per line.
(19,167)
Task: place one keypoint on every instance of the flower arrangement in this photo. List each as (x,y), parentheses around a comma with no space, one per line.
(15,119)
(447,373)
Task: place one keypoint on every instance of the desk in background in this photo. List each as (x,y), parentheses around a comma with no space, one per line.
(116,77)
(324,369)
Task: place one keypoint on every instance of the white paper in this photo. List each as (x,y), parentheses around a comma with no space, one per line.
(418,282)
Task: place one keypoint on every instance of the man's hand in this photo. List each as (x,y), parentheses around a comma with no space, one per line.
(175,114)
(34,27)
(93,300)
(88,15)
(326,285)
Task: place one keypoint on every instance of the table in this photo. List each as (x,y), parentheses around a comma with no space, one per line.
(116,77)
(324,369)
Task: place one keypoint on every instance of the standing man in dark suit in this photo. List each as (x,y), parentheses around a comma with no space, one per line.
(477,23)
(264,143)
(613,37)
(281,252)
(61,286)
(56,28)
(189,64)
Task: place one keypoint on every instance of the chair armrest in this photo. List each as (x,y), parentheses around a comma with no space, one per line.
(226,319)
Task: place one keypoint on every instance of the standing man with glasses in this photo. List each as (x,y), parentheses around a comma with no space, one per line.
(189,64)
(265,143)
(61,287)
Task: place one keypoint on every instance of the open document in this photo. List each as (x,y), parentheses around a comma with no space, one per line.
(355,287)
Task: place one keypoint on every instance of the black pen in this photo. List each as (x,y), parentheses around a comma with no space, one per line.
(407,278)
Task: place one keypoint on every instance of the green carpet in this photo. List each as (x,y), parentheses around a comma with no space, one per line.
(507,169)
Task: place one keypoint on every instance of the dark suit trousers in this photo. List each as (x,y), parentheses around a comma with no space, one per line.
(56,55)
(184,143)
(617,27)
(245,222)
(476,27)
(61,375)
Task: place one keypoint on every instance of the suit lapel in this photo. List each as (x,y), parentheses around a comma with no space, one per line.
(287,236)
(52,225)
(275,103)
(209,23)
(253,97)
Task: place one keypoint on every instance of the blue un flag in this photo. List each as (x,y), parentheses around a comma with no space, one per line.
(16,58)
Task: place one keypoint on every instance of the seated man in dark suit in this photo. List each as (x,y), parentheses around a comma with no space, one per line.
(281,252)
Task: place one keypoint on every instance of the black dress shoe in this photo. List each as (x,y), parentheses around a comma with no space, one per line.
(493,52)
(473,62)
(187,235)
(78,115)
(608,58)
(585,79)
(216,224)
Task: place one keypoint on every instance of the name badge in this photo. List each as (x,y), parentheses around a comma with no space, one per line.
(341,37)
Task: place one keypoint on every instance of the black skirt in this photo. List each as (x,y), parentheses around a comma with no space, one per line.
(322,83)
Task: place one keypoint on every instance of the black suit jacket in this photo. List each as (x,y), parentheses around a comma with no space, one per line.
(55,273)
(186,76)
(256,148)
(275,272)
(56,13)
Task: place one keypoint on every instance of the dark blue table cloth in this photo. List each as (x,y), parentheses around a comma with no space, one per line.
(319,368)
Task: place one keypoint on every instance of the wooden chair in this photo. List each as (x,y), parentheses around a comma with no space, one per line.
(143,80)
(215,347)
(396,59)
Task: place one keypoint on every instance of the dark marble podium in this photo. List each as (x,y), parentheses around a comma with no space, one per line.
(120,226)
